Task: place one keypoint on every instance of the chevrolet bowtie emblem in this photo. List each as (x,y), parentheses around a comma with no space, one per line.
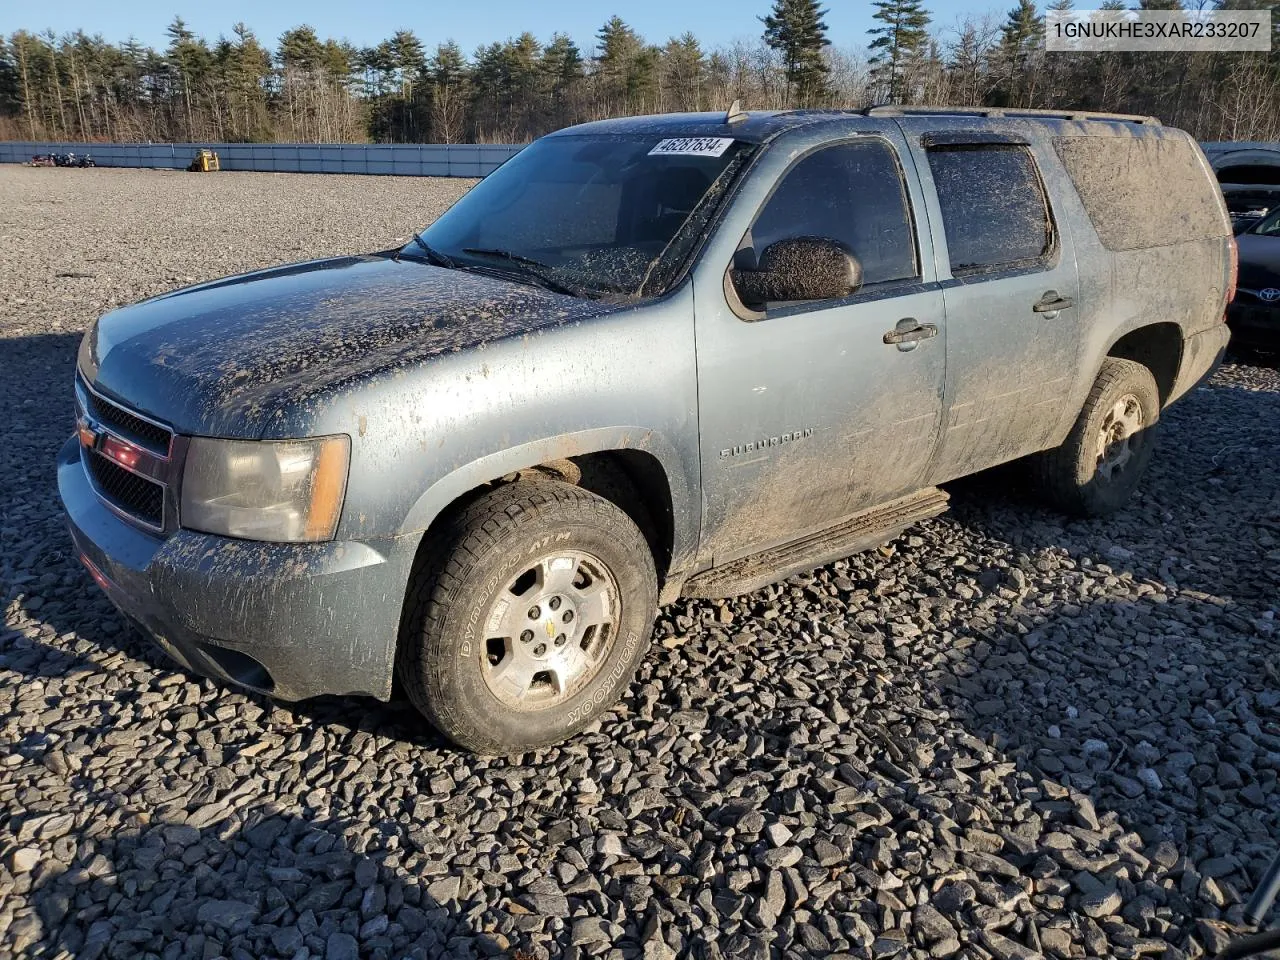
(551,629)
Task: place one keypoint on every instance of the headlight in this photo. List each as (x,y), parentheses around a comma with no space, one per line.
(281,490)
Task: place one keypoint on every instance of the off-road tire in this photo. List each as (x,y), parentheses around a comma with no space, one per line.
(440,658)
(1068,476)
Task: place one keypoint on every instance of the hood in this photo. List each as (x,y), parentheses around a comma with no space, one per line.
(1259,261)
(227,357)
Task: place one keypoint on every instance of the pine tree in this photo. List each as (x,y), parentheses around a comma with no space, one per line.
(1021,40)
(448,75)
(683,67)
(901,41)
(300,49)
(561,62)
(339,59)
(489,77)
(625,66)
(190,58)
(1059,65)
(129,73)
(797,30)
(10,85)
(248,69)
(408,58)
(522,59)
(24,48)
(522,64)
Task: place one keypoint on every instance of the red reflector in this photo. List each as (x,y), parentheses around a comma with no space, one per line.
(125,454)
(1234,275)
(98,576)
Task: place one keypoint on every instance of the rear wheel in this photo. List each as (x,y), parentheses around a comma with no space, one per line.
(1099,465)
(529,619)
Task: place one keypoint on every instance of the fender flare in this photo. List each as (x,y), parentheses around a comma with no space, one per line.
(686,517)
(1091,366)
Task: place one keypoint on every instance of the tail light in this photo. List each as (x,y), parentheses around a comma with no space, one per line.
(1233,274)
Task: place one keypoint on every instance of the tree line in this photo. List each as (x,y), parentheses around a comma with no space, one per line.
(309,89)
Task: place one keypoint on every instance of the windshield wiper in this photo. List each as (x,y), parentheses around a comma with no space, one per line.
(536,269)
(433,255)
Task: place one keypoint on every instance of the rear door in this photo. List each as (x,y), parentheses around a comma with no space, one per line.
(806,414)
(1008,275)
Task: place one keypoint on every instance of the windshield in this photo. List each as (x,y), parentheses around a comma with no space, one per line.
(590,215)
(1269,227)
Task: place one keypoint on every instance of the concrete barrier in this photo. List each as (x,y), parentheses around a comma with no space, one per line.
(401,159)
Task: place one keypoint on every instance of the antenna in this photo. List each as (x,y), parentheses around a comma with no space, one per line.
(735,113)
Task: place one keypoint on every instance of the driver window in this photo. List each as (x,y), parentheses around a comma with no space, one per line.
(852,193)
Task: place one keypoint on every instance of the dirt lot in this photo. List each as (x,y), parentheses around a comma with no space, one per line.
(1001,736)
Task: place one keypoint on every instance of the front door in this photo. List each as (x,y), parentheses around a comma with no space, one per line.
(1012,298)
(807,414)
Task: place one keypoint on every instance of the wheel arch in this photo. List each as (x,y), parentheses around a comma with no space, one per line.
(1158,347)
(642,463)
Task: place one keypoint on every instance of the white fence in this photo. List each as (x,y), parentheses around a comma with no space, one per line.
(404,159)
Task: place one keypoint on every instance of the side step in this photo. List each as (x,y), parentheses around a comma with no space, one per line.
(860,532)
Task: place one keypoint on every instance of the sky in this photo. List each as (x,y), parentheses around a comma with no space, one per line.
(714,22)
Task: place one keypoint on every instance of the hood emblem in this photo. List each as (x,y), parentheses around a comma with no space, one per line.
(1269,295)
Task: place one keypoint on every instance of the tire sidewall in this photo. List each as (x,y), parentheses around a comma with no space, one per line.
(1109,495)
(460,698)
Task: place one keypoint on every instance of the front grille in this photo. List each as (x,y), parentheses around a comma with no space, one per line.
(129,425)
(135,495)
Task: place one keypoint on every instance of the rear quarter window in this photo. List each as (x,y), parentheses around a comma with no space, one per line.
(1143,191)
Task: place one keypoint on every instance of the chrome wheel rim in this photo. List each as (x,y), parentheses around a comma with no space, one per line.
(549,630)
(1116,444)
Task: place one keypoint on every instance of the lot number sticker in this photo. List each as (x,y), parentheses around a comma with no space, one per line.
(691,147)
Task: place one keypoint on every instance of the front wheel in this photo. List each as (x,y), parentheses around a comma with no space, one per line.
(1097,468)
(529,618)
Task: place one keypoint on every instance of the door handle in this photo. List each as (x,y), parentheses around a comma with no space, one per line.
(910,331)
(1052,303)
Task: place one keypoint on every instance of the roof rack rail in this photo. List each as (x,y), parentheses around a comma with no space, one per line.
(890,110)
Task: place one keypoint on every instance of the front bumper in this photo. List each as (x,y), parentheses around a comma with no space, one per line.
(1253,322)
(290,620)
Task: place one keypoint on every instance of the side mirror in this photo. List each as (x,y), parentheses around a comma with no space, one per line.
(802,268)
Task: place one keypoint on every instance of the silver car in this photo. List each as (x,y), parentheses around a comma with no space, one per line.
(646,358)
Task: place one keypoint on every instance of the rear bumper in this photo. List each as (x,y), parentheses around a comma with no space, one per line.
(1201,354)
(290,620)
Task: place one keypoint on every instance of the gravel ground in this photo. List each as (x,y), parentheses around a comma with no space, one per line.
(1001,735)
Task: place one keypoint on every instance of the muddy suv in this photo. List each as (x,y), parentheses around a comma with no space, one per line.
(646,358)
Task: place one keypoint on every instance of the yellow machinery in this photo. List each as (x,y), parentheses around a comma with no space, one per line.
(206,161)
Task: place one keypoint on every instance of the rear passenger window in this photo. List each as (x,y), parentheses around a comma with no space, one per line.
(993,205)
(1149,191)
(851,193)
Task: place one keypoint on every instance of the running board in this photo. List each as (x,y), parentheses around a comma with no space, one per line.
(860,532)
